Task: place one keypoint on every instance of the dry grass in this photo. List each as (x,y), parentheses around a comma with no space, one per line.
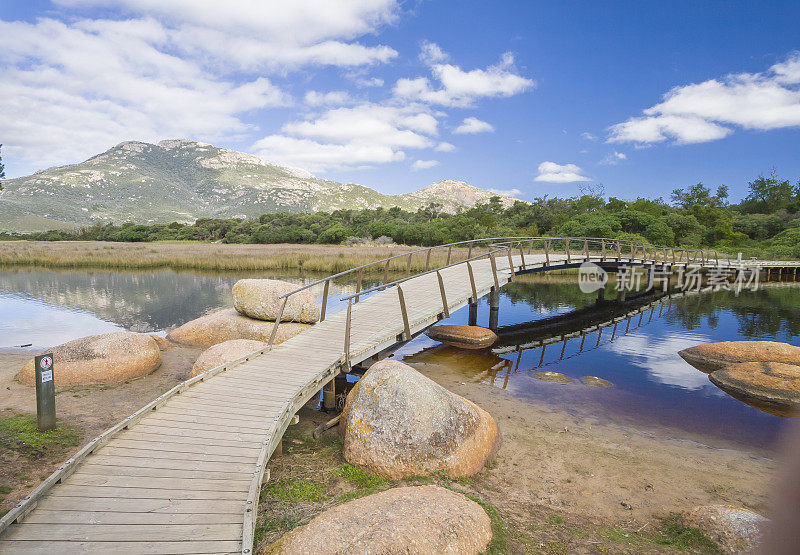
(212,256)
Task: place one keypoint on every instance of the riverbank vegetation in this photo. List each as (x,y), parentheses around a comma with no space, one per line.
(765,224)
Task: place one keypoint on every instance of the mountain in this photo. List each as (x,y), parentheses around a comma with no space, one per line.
(182,180)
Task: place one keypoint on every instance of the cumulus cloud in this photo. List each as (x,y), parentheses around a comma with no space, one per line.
(355,137)
(473,125)
(550,172)
(424,164)
(445,147)
(337,98)
(75,84)
(457,87)
(711,110)
(613,158)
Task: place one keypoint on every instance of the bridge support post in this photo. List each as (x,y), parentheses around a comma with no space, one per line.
(329,396)
(494,308)
(473,314)
(621,295)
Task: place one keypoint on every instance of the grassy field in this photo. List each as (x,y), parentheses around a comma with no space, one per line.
(210,256)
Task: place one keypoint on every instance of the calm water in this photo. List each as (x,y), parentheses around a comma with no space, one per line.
(652,384)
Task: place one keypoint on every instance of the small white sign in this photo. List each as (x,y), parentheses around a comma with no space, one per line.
(47,376)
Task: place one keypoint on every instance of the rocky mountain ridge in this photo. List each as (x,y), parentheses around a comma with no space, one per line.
(182,180)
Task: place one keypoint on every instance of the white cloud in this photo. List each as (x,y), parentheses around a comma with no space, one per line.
(369,82)
(354,137)
(431,53)
(460,87)
(473,125)
(613,158)
(267,34)
(550,172)
(445,147)
(424,164)
(336,98)
(588,136)
(506,192)
(150,69)
(710,110)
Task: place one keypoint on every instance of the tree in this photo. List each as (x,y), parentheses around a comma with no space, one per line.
(769,194)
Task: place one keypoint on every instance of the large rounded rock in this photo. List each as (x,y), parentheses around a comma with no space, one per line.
(227,324)
(463,337)
(107,358)
(734,529)
(224,352)
(397,423)
(259,299)
(714,356)
(772,384)
(421,519)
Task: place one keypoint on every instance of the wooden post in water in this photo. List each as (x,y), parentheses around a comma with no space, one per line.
(473,314)
(494,308)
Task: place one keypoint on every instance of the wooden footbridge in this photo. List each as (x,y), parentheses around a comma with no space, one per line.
(183,474)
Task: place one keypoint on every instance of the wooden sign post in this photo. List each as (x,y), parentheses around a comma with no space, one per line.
(45,393)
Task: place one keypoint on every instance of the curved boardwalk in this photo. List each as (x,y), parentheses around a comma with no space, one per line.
(183,476)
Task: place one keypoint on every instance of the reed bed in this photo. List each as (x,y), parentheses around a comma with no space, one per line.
(328,259)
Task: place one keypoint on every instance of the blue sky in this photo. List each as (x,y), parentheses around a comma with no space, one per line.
(530,97)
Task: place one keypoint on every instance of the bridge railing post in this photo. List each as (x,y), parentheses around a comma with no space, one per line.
(408,264)
(510,261)
(547,251)
(404,313)
(324,300)
(472,283)
(586,248)
(494,269)
(445,309)
(566,249)
(386,272)
(346,365)
(603,250)
(449,252)
(428,259)
(522,256)
(277,322)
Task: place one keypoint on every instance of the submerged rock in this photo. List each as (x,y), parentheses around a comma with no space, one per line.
(556,377)
(773,384)
(224,352)
(714,356)
(735,529)
(419,520)
(227,324)
(463,337)
(397,423)
(259,299)
(595,381)
(107,358)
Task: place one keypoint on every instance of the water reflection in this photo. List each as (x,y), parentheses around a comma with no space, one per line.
(46,308)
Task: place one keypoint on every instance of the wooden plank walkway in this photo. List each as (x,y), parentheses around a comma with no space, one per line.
(184,475)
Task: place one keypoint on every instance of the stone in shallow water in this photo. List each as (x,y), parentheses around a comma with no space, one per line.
(595,381)
(227,324)
(100,359)
(259,299)
(557,377)
(464,337)
(420,519)
(772,384)
(715,356)
(224,352)
(735,529)
(399,423)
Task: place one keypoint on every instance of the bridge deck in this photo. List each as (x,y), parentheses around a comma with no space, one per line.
(185,477)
